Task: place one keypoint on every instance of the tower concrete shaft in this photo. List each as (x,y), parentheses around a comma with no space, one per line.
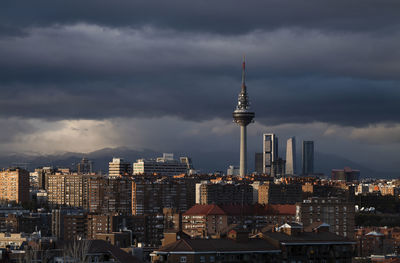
(243,151)
(243,117)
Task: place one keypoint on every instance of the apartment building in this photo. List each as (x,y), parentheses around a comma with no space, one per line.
(334,211)
(118,167)
(110,195)
(68,190)
(14,185)
(164,166)
(151,196)
(204,221)
(271,193)
(222,193)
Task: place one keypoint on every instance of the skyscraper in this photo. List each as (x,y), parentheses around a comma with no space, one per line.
(308,157)
(270,151)
(243,117)
(258,163)
(85,166)
(291,156)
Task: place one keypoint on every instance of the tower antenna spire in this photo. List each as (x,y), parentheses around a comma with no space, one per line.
(244,70)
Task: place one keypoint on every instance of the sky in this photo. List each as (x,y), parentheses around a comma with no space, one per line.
(164,75)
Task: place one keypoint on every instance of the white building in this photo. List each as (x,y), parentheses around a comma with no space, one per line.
(233,171)
(165,165)
(118,167)
(291,156)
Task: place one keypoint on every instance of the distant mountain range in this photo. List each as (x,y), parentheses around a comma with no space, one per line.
(203,161)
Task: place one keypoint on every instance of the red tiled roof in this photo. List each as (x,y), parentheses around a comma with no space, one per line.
(259,209)
(218,245)
(205,210)
(237,210)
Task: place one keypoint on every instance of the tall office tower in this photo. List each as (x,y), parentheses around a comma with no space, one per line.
(14,185)
(308,157)
(258,163)
(291,156)
(278,168)
(243,117)
(270,151)
(85,166)
(118,167)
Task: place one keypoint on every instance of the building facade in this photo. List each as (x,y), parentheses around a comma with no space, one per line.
(221,193)
(204,221)
(68,190)
(258,163)
(271,193)
(14,185)
(336,212)
(270,151)
(291,156)
(85,166)
(308,157)
(118,168)
(151,196)
(165,165)
(346,175)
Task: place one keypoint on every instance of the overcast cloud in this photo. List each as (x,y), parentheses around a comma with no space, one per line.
(97,74)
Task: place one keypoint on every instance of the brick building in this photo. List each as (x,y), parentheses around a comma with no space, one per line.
(204,220)
(221,193)
(151,196)
(68,190)
(14,185)
(331,210)
(377,240)
(271,193)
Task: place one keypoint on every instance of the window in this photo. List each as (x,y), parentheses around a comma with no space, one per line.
(212,259)
(183,259)
(202,259)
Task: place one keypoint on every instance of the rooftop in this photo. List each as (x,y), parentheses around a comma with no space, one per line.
(219,245)
(205,210)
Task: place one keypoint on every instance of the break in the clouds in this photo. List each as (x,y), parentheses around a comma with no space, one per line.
(75,69)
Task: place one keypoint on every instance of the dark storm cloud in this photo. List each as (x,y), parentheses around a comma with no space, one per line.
(87,71)
(223,16)
(335,62)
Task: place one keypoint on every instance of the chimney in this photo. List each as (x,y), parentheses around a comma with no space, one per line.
(239,235)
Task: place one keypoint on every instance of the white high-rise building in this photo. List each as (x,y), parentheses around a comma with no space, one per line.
(165,165)
(270,151)
(118,167)
(291,156)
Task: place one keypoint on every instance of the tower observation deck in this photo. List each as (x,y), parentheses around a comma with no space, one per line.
(243,117)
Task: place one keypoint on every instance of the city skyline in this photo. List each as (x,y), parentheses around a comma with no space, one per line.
(83,82)
(124,131)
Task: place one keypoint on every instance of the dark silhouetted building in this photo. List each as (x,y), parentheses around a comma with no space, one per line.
(308,157)
(258,163)
(347,174)
(85,166)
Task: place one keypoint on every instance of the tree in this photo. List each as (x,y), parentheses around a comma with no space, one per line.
(77,251)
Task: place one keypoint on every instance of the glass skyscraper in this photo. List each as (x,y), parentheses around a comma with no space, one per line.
(270,151)
(308,157)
